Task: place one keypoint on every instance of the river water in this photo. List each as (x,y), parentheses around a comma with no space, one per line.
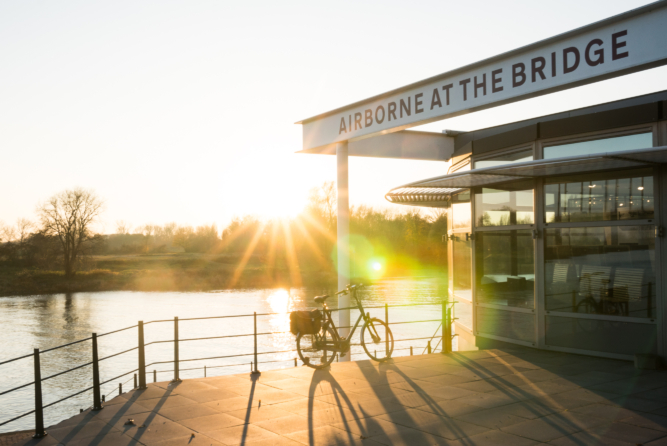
(51,320)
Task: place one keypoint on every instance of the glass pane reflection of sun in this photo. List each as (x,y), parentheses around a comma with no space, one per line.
(281,305)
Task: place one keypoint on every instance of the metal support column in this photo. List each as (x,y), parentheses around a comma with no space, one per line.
(97,394)
(255,371)
(343,239)
(177,376)
(39,410)
(142,357)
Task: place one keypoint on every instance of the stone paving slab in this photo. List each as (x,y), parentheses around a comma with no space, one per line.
(511,396)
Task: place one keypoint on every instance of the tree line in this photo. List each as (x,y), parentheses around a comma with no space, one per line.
(62,238)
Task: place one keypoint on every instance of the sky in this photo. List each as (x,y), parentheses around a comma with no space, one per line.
(184,111)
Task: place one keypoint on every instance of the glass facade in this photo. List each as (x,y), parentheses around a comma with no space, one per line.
(496,207)
(595,287)
(601,270)
(505,268)
(602,145)
(508,158)
(600,197)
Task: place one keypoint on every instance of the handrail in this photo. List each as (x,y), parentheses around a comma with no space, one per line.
(142,370)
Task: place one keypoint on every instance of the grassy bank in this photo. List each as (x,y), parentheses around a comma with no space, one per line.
(164,272)
(167,272)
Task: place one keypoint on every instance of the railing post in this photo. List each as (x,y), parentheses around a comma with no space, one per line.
(204,371)
(97,398)
(410,350)
(428,347)
(135,381)
(386,331)
(176,371)
(39,410)
(142,357)
(120,388)
(255,372)
(154,375)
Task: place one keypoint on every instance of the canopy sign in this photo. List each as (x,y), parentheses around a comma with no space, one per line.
(626,43)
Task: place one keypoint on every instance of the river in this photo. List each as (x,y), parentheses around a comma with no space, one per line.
(51,320)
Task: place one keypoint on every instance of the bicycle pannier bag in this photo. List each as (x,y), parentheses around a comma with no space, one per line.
(305,322)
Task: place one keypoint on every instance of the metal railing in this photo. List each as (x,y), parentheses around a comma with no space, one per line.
(141,371)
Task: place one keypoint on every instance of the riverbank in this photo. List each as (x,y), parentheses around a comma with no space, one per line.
(171,272)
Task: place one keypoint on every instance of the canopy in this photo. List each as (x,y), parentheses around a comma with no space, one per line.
(509,173)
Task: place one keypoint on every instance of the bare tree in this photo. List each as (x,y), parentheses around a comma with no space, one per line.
(69,216)
(23,229)
(329,203)
(123,227)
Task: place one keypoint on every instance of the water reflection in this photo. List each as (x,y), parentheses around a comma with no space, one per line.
(49,321)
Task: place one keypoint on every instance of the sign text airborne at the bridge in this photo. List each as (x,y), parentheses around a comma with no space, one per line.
(630,42)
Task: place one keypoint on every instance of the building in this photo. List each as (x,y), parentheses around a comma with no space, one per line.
(556,224)
(555,229)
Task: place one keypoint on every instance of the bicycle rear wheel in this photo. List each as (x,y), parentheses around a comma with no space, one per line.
(377,340)
(316,350)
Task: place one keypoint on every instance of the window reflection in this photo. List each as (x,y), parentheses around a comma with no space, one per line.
(599,197)
(605,270)
(461,210)
(495,207)
(604,145)
(501,160)
(462,250)
(505,270)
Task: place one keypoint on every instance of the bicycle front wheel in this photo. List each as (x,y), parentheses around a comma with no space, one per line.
(316,350)
(377,340)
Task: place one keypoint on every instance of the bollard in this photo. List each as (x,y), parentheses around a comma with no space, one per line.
(97,401)
(428,347)
(177,377)
(39,410)
(255,372)
(154,375)
(410,350)
(120,388)
(142,356)
(135,380)
(386,329)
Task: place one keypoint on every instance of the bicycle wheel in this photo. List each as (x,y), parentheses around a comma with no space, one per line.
(316,350)
(377,340)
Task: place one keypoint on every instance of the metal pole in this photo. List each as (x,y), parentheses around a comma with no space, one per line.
(97,400)
(428,347)
(120,388)
(154,375)
(204,371)
(343,239)
(39,410)
(176,372)
(135,380)
(255,372)
(449,335)
(386,329)
(294,362)
(142,357)
(410,350)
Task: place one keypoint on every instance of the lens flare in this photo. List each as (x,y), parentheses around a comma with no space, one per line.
(377,266)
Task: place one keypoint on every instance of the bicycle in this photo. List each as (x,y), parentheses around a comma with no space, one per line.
(319,350)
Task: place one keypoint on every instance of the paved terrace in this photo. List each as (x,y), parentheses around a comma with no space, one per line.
(513,396)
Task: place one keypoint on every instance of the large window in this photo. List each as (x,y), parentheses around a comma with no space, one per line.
(601,270)
(498,207)
(462,266)
(507,158)
(600,197)
(461,210)
(604,145)
(505,268)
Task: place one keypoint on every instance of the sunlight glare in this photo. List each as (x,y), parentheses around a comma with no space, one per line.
(377,266)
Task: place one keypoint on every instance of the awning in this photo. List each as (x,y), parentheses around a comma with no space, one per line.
(435,191)
(421,196)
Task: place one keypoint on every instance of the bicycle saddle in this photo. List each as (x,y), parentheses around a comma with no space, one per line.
(321,299)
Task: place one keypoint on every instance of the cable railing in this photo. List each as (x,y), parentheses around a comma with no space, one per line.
(139,375)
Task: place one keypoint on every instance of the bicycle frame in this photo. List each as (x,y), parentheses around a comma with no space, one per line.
(341,345)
